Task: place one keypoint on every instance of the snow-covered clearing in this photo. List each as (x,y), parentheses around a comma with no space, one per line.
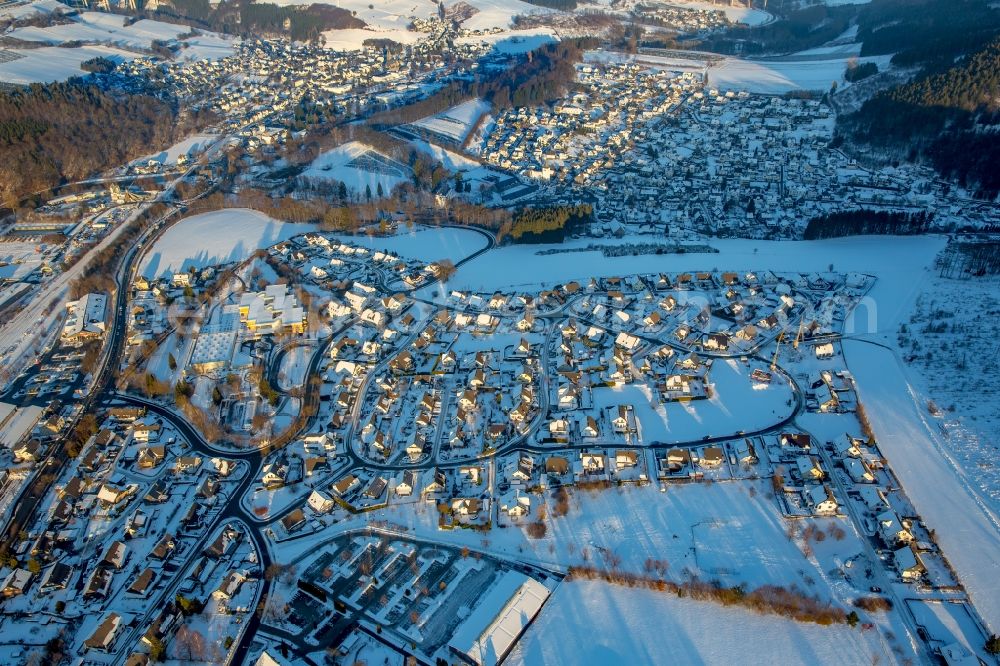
(222,236)
(893,260)
(52,63)
(497,13)
(450,159)
(294,365)
(425,244)
(353,39)
(619,625)
(360,167)
(781,76)
(848,49)
(188,147)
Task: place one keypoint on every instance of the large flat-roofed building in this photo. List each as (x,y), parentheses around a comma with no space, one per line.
(490,632)
(86,317)
(214,348)
(274,310)
(17,423)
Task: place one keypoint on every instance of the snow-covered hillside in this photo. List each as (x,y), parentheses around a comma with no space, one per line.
(360,167)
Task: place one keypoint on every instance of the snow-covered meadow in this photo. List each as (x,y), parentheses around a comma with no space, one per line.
(689,631)
(893,262)
(784,75)
(52,63)
(425,244)
(222,236)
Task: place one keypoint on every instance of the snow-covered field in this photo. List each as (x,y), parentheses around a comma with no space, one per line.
(104,28)
(893,260)
(188,147)
(781,76)
(382,15)
(352,39)
(212,238)
(617,625)
(358,166)
(425,244)
(498,13)
(732,532)
(206,46)
(398,14)
(52,63)
(455,123)
(37,7)
(960,316)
